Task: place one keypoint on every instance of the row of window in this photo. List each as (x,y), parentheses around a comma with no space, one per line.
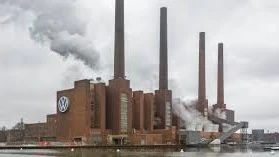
(168,114)
(123,113)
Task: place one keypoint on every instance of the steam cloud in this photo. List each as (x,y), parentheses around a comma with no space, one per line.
(187,112)
(220,114)
(56,22)
(190,117)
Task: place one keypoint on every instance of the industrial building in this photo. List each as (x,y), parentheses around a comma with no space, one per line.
(93,112)
(41,131)
(258,135)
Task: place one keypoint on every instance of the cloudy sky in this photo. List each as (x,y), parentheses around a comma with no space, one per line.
(46,45)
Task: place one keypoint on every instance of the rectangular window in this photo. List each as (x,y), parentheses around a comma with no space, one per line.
(123,113)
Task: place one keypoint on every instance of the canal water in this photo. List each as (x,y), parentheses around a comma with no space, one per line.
(215,152)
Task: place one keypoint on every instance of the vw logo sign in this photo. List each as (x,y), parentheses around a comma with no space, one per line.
(63,104)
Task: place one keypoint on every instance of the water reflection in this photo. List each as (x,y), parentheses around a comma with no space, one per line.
(224,151)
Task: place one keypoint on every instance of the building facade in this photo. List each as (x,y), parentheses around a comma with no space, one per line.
(41,132)
(258,135)
(93,113)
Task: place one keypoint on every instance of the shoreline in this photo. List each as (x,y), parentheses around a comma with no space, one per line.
(96,147)
(130,147)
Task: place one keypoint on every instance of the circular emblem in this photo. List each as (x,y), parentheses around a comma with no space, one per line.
(63,104)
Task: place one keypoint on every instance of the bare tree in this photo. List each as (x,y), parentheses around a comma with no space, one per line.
(18,131)
(3,129)
(19,125)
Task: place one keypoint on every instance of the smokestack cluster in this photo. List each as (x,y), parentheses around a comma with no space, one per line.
(220,79)
(163,74)
(119,56)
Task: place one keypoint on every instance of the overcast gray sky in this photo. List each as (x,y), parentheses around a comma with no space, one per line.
(31,72)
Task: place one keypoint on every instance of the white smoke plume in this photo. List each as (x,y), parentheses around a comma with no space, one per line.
(187,112)
(220,114)
(56,22)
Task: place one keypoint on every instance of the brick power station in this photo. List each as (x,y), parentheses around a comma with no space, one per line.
(96,113)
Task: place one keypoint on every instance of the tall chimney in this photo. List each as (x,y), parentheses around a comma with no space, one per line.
(119,56)
(202,90)
(163,75)
(220,81)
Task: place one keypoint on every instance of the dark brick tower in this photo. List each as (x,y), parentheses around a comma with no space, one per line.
(119,99)
(202,105)
(119,44)
(220,86)
(163,96)
(202,90)
(163,74)
(220,79)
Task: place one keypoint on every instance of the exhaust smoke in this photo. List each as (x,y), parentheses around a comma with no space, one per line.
(186,110)
(57,23)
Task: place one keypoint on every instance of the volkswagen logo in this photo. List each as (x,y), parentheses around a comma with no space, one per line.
(63,104)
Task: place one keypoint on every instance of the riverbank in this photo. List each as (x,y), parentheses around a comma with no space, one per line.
(137,147)
(96,147)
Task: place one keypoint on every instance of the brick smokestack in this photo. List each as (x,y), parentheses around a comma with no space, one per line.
(220,81)
(163,74)
(202,90)
(119,56)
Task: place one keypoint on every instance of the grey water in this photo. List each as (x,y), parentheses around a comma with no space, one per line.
(210,152)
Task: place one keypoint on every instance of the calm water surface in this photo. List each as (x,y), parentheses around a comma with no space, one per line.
(215,152)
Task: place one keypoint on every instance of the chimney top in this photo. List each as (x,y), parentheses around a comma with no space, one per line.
(99,79)
(202,35)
